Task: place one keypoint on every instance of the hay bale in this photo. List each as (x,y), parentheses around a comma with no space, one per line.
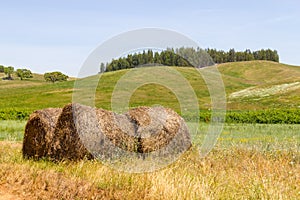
(66,143)
(118,129)
(39,132)
(141,130)
(81,131)
(159,127)
(144,129)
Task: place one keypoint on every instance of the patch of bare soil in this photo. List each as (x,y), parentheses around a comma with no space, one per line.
(6,194)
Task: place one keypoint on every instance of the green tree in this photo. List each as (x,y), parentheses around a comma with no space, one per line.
(135,60)
(157,58)
(23,73)
(55,76)
(275,56)
(186,56)
(150,56)
(9,71)
(123,63)
(248,55)
(102,67)
(240,56)
(129,60)
(1,69)
(114,65)
(231,55)
(203,58)
(167,57)
(144,58)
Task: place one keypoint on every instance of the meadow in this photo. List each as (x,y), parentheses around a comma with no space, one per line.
(32,94)
(257,155)
(250,161)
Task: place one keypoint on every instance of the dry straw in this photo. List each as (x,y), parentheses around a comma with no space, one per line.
(78,131)
(39,132)
(66,142)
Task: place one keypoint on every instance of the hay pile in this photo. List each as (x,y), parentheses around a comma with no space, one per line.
(159,127)
(66,142)
(117,130)
(78,131)
(39,132)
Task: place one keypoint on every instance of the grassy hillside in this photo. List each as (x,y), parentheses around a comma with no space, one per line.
(261,75)
(270,85)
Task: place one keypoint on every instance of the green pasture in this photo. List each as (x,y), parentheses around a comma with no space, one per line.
(258,136)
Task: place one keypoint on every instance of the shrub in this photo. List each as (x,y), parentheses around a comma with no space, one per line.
(55,76)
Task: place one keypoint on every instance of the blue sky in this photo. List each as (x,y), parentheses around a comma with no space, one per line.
(59,35)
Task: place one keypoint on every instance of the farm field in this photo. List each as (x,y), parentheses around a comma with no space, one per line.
(150,100)
(250,161)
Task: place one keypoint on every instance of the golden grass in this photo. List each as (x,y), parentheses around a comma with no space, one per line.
(231,173)
(36,80)
(19,84)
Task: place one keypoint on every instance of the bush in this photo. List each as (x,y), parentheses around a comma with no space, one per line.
(13,114)
(55,76)
(291,116)
(264,116)
(9,71)
(24,73)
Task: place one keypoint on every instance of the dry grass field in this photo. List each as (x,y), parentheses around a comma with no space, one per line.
(249,162)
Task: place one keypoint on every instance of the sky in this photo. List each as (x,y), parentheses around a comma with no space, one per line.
(59,35)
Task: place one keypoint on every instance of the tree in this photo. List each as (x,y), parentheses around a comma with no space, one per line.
(240,56)
(204,58)
(248,55)
(135,60)
(129,60)
(150,56)
(231,55)
(102,67)
(1,69)
(9,71)
(123,63)
(156,58)
(23,73)
(187,57)
(114,65)
(167,57)
(55,76)
(276,56)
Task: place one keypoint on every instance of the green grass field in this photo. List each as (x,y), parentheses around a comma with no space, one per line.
(260,136)
(12,130)
(249,161)
(37,94)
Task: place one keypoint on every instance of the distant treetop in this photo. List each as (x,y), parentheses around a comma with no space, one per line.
(55,76)
(187,57)
(220,56)
(24,73)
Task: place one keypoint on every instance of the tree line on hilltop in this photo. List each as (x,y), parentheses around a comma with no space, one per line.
(220,56)
(187,57)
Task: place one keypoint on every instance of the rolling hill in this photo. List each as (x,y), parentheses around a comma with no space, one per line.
(252,85)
